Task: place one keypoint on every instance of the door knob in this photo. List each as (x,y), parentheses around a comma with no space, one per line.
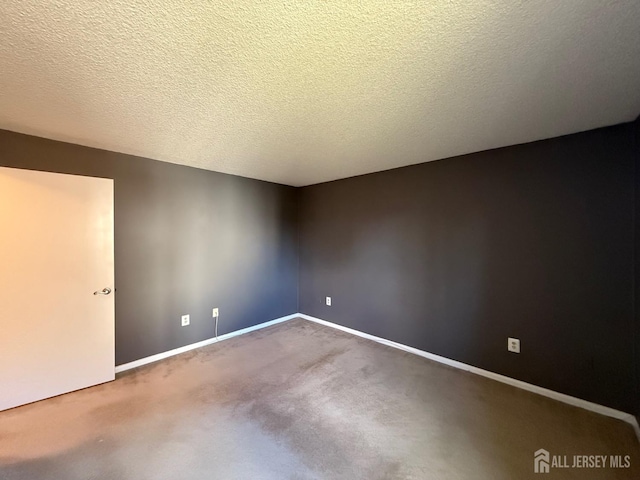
(104,291)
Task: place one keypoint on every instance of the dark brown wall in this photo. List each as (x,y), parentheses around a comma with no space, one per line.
(186,240)
(636,126)
(533,241)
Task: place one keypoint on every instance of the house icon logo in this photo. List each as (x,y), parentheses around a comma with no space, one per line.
(541,461)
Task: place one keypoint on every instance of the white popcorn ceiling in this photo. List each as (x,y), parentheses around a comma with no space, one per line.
(300,92)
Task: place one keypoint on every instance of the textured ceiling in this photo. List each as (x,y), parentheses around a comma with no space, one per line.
(300,92)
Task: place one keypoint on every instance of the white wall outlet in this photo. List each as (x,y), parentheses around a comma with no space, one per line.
(185,320)
(513,345)
(328,301)
(216,313)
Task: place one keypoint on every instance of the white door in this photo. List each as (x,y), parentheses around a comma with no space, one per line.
(56,250)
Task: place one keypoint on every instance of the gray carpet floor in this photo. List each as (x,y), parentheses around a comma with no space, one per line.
(299,400)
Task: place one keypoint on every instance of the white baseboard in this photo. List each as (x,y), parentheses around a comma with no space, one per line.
(577,402)
(561,397)
(204,343)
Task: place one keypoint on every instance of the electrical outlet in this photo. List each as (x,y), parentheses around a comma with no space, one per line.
(216,313)
(328,301)
(185,320)
(513,345)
